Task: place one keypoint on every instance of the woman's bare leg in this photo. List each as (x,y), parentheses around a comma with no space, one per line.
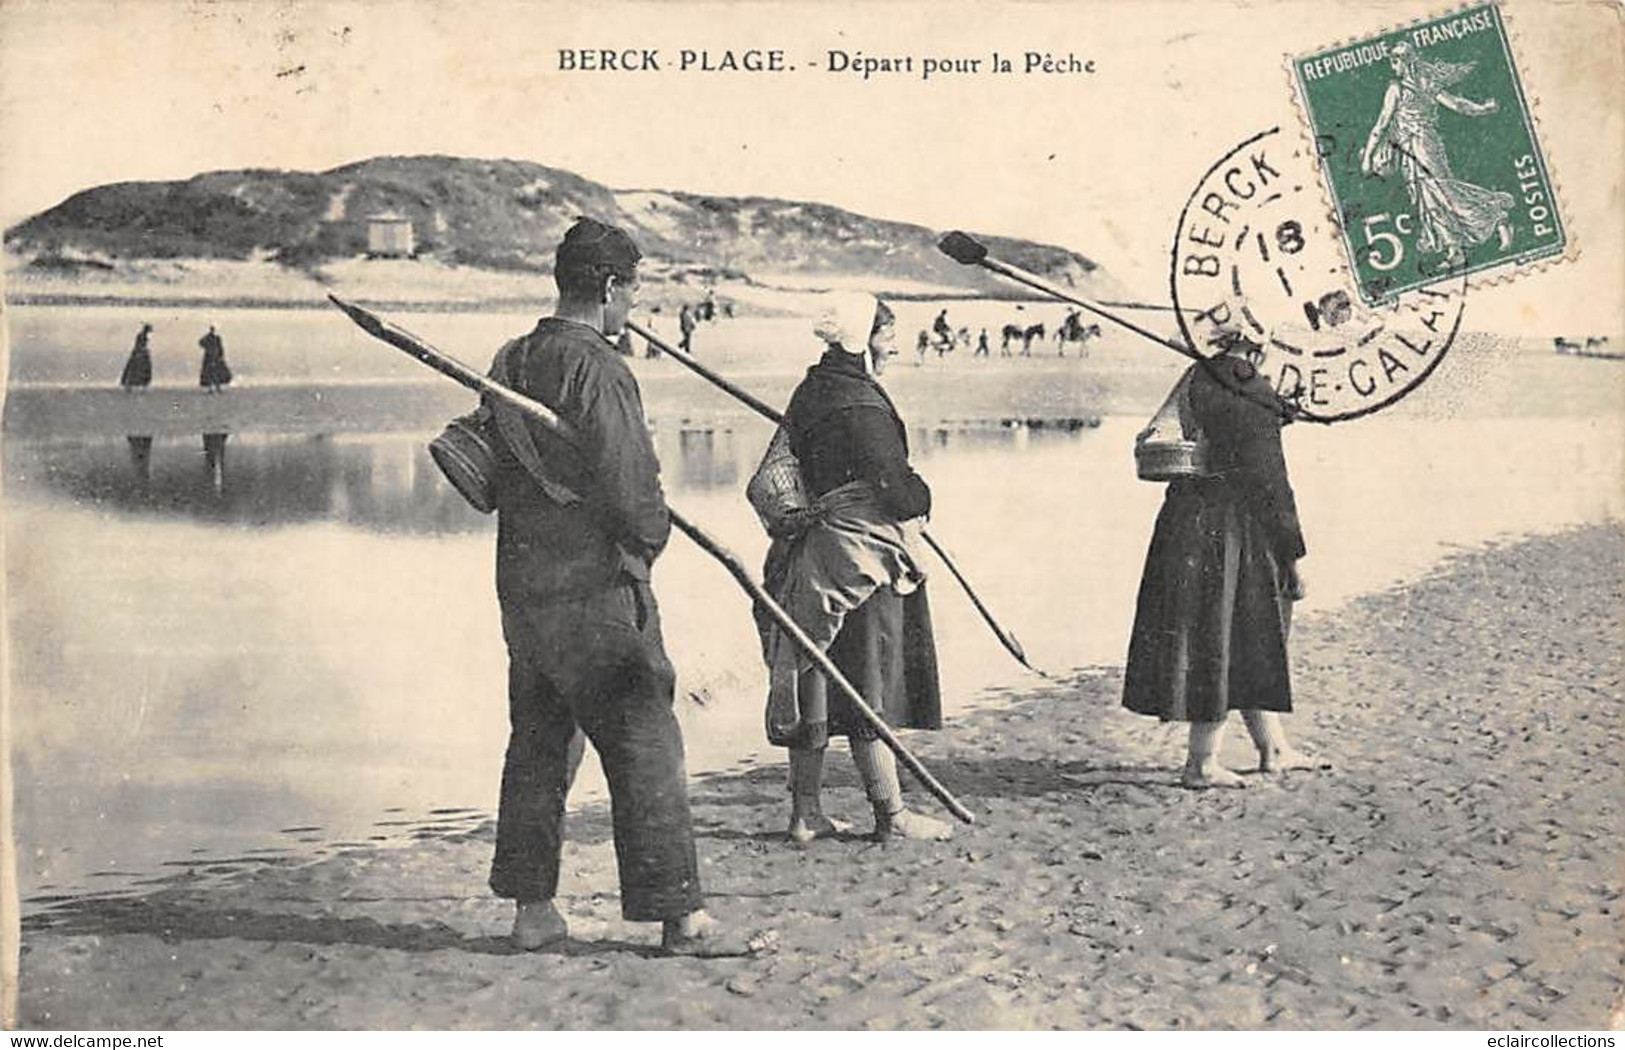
(1275,752)
(1202,768)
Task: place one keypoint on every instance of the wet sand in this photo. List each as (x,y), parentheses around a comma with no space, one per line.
(1461,869)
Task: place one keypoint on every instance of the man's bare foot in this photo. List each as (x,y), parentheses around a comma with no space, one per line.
(1200,778)
(907,824)
(536,924)
(698,935)
(1283,759)
(805,829)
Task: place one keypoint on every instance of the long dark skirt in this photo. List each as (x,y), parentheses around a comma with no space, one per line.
(137,370)
(1210,627)
(214,371)
(887,651)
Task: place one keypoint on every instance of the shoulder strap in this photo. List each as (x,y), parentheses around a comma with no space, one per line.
(512,426)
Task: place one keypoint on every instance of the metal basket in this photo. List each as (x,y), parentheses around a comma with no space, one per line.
(1161,459)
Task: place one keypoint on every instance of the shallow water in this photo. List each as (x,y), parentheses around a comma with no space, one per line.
(287,643)
(247,647)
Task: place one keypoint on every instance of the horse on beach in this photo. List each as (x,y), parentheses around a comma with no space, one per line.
(1035,331)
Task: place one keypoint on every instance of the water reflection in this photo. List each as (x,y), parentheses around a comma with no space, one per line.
(381,483)
(141,457)
(214,461)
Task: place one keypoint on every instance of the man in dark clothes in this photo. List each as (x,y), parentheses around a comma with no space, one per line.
(214,374)
(687,324)
(581,623)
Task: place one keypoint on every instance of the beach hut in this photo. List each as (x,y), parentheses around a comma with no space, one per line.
(389,235)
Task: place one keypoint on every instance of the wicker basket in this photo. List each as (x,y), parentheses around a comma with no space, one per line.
(777,491)
(465,454)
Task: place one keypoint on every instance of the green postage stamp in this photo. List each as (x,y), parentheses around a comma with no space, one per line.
(1428,148)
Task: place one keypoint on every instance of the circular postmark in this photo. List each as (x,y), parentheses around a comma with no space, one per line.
(1256,251)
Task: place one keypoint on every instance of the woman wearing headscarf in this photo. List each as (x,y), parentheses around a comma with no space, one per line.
(1210,627)
(850,577)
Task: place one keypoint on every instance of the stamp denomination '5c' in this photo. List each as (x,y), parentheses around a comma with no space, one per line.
(1429,152)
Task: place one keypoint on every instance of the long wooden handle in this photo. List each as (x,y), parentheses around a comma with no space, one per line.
(824,664)
(449,366)
(1006,638)
(963,248)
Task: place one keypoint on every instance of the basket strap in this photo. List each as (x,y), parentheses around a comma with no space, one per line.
(517,434)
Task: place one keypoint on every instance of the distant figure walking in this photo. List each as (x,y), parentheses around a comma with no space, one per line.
(215,374)
(686,322)
(981,345)
(138,369)
(922,346)
(649,348)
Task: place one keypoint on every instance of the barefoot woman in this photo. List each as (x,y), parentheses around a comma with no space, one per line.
(1210,629)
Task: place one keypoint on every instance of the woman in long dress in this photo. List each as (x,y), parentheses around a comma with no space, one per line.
(1210,626)
(137,374)
(1452,215)
(851,578)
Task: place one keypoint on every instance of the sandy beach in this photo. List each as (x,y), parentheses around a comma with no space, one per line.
(1460,869)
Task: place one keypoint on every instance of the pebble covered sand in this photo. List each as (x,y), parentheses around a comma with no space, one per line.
(1461,868)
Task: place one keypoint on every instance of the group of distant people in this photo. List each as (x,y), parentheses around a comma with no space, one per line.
(944,338)
(214,375)
(689,318)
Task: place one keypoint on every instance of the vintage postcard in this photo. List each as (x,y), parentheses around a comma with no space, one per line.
(527,514)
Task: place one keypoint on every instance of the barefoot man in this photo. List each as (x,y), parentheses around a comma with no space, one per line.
(582,628)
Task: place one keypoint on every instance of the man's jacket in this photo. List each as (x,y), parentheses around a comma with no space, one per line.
(547,549)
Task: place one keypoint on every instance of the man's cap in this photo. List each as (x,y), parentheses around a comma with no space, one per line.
(593,243)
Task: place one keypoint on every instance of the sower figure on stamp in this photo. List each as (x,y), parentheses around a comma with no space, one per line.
(575,542)
(1452,214)
(1215,602)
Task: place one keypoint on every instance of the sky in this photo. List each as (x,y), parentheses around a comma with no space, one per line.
(1101,162)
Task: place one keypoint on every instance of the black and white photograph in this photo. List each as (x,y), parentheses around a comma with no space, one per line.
(769,515)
